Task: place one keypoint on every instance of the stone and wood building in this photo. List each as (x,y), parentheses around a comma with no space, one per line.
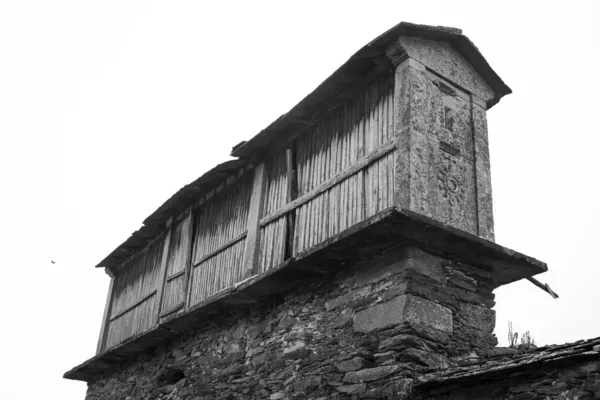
(347,252)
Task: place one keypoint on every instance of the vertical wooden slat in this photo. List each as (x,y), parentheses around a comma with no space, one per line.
(162,275)
(106,317)
(188,252)
(251,251)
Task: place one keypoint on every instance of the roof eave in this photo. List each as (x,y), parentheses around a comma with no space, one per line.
(369,53)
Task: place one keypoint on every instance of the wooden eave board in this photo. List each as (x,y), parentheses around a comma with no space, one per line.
(389,228)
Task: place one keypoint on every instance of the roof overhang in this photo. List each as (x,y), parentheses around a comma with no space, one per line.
(185,198)
(363,67)
(368,61)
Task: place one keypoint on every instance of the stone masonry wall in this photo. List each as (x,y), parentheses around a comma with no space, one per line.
(363,333)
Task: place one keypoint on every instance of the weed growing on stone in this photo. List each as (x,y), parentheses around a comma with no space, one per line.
(527,341)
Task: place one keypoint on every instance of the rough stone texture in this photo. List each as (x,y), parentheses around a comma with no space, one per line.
(484,180)
(443,163)
(304,346)
(442,58)
(557,372)
(401,309)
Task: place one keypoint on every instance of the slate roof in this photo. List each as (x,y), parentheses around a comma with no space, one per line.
(498,363)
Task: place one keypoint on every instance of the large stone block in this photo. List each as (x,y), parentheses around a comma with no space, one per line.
(477,317)
(407,259)
(405,308)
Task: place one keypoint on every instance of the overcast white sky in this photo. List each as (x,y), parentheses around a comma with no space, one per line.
(107,108)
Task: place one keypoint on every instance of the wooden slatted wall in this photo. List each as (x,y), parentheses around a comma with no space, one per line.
(343,172)
(333,148)
(219,239)
(174,292)
(134,295)
(272,235)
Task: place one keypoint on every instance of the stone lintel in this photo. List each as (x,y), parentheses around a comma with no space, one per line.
(405,308)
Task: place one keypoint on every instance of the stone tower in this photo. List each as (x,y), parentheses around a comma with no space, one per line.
(347,251)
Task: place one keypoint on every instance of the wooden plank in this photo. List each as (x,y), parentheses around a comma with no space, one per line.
(251,251)
(134,305)
(106,316)
(162,275)
(339,177)
(175,275)
(171,310)
(292,193)
(189,251)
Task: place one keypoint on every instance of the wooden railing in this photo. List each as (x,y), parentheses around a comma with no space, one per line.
(335,174)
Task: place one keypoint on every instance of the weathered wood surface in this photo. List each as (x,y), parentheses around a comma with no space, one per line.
(106,317)
(387,228)
(134,320)
(342,170)
(162,276)
(177,263)
(257,201)
(333,181)
(223,218)
(218,272)
(186,197)
(219,240)
(133,301)
(370,57)
(272,244)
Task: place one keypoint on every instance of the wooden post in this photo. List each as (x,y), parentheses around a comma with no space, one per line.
(251,251)
(162,276)
(189,259)
(107,312)
(292,193)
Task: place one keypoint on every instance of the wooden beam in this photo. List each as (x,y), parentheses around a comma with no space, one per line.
(189,233)
(543,286)
(292,193)
(251,251)
(134,305)
(160,285)
(339,177)
(219,249)
(171,310)
(106,316)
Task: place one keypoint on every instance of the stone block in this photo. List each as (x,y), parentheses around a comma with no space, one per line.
(371,374)
(477,317)
(402,309)
(342,320)
(295,351)
(358,388)
(347,298)
(407,259)
(354,364)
